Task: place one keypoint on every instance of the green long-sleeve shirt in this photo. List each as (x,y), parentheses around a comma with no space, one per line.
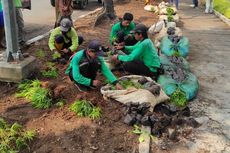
(143,51)
(74,65)
(118,27)
(72,34)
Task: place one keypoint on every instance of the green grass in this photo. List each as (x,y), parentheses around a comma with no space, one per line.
(33,91)
(85,108)
(14,138)
(222,6)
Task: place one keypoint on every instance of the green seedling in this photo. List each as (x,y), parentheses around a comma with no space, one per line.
(176,53)
(170,18)
(56,55)
(14,138)
(96,113)
(128,83)
(33,91)
(51,72)
(169,11)
(40,53)
(85,108)
(179,98)
(61,103)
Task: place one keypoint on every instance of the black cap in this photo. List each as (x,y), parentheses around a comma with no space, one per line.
(95,46)
(140,28)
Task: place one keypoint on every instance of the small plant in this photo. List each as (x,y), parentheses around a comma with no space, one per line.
(179,98)
(61,103)
(84,108)
(56,55)
(14,138)
(170,18)
(137,130)
(129,83)
(33,91)
(169,11)
(176,53)
(40,53)
(51,72)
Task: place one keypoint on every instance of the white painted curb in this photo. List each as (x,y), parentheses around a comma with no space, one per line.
(37,38)
(222,17)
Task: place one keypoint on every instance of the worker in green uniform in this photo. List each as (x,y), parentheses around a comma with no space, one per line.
(64,41)
(143,58)
(84,66)
(120,32)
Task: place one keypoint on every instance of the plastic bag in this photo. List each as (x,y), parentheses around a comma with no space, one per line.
(168,47)
(165,62)
(190,85)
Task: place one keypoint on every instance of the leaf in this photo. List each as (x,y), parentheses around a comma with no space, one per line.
(20,143)
(141,138)
(29,135)
(56,55)
(16,127)
(60,103)
(2,123)
(96,113)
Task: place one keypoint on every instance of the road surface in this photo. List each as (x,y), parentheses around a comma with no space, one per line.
(41,17)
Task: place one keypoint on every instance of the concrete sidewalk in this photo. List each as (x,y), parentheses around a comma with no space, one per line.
(210,62)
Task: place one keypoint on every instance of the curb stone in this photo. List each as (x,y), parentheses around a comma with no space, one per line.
(39,37)
(144,147)
(222,17)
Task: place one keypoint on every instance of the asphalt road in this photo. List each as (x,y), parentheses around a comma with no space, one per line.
(40,19)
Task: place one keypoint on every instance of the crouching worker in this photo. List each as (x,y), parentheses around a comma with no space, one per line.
(84,66)
(143,58)
(64,41)
(120,32)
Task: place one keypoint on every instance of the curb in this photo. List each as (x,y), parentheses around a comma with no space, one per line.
(222,17)
(39,37)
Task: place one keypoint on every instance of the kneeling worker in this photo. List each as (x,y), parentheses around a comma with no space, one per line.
(143,58)
(64,41)
(84,66)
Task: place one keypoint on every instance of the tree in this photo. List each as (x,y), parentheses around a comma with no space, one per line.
(107,12)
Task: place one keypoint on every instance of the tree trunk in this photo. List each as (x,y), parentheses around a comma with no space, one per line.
(108,12)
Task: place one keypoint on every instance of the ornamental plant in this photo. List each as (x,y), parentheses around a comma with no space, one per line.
(14,138)
(85,108)
(38,96)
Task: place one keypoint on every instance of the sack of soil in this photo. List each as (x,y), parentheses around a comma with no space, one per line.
(159,36)
(151,8)
(189,85)
(146,91)
(174,62)
(172,44)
